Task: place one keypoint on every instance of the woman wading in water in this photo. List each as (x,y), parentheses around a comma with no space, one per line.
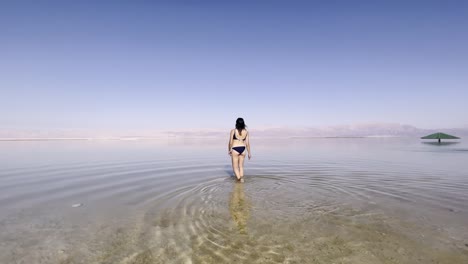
(238,143)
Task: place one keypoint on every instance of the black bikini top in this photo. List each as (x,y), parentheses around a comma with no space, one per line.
(234,137)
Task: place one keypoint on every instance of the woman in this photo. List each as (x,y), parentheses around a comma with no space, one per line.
(238,143)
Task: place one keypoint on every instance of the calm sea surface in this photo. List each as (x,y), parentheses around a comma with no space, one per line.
(361,200)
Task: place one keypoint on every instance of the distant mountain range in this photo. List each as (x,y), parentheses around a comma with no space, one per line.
(358,130)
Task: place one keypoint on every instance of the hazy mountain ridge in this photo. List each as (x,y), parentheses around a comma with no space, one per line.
(356,130)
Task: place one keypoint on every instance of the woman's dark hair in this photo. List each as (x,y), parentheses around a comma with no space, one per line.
(240,125)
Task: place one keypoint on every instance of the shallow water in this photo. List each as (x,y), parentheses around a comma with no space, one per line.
(330,200)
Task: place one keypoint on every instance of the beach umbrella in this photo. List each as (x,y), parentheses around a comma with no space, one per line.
(439,136)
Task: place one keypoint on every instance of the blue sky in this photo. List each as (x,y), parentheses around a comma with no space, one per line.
(201,64)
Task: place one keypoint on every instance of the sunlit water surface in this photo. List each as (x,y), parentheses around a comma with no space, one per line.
(175,201)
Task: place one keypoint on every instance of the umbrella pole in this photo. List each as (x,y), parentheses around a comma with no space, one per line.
(439,140)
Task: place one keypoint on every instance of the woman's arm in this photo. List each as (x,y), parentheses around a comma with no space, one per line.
(230,142)
(247,143)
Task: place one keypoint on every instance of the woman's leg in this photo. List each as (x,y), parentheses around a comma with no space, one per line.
(235,164)
(241,165)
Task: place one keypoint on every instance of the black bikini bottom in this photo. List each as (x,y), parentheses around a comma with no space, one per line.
(240,150)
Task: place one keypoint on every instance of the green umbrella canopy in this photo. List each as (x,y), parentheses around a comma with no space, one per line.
(439,136)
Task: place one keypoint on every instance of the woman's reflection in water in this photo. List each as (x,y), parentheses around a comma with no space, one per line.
(239,207)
